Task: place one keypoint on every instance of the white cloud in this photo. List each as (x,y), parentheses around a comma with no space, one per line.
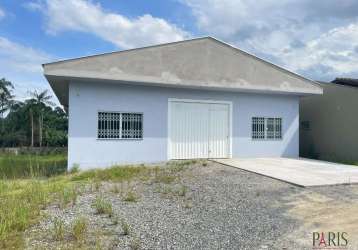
(2,13)
(335,51)
(311,37)
(22,66)
(90,17)
(21,58)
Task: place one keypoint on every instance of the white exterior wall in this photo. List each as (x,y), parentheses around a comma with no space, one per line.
(87,98)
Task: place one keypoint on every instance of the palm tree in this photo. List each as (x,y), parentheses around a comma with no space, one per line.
(38,101)
(6,98)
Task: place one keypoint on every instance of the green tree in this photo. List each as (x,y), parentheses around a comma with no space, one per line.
(18,126)
(6,99)
(36,117)
(38,103)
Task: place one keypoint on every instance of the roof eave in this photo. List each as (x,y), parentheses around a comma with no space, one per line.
(56,80)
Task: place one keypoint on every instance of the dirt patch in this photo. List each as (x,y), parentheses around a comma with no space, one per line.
(325,211)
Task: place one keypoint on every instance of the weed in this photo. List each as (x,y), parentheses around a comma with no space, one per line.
(182,190)
(79,228)
(102,206)
(125,227)
(164,177)
(75,169)
(131,196)
(67,196)
(58,229)
(115,173)
(135,244)
(98,243)
(97,185)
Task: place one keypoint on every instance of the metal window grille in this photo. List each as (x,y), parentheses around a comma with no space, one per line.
(258,128)
(278,128)
(270,128)
(115,125)
(266,128)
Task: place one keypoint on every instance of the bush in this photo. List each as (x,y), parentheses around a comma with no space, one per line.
(58,229)
(102,206)
(79,228)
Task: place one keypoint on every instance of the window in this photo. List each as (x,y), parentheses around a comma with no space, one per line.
(258,128)
(116,125)
(266,128)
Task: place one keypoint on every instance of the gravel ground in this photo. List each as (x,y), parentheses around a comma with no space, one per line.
(208,207)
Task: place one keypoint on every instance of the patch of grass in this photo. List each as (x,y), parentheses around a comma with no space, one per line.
(20,204)
(103,206)
(131,196)
(27,166)
(58,229)
(163,176)
(97,185)
(68,196)
(116,173)
(75,169)
(21,200)
(98,243)
(79,228)
(125,227)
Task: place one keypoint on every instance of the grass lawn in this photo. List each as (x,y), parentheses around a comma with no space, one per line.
(21,200)
(29,165)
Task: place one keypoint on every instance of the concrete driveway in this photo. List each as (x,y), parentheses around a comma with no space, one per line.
(302,172)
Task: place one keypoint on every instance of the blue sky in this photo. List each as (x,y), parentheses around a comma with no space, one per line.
(318,39)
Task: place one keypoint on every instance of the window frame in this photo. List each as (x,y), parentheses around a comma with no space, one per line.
(119,112)
(265,128)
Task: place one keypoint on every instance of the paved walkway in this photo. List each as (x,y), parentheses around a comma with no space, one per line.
(302,172)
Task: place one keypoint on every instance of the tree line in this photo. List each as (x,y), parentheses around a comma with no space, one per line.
(37,121)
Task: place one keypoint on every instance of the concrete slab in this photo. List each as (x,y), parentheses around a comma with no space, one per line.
(302,172)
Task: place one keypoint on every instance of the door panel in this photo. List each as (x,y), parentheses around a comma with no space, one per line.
(198,130)
(189,130)
(218,131)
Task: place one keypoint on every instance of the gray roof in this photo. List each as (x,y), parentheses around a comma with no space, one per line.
(346,81)
(204,63)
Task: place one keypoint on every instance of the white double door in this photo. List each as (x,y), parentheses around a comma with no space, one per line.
(198,130)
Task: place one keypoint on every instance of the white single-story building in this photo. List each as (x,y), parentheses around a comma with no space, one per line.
(199,98)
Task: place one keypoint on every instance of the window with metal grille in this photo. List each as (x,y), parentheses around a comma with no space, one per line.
(258,128)
(117,125)
(266,128)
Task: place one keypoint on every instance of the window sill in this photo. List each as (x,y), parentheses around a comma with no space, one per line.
(119,139)
(267,139)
